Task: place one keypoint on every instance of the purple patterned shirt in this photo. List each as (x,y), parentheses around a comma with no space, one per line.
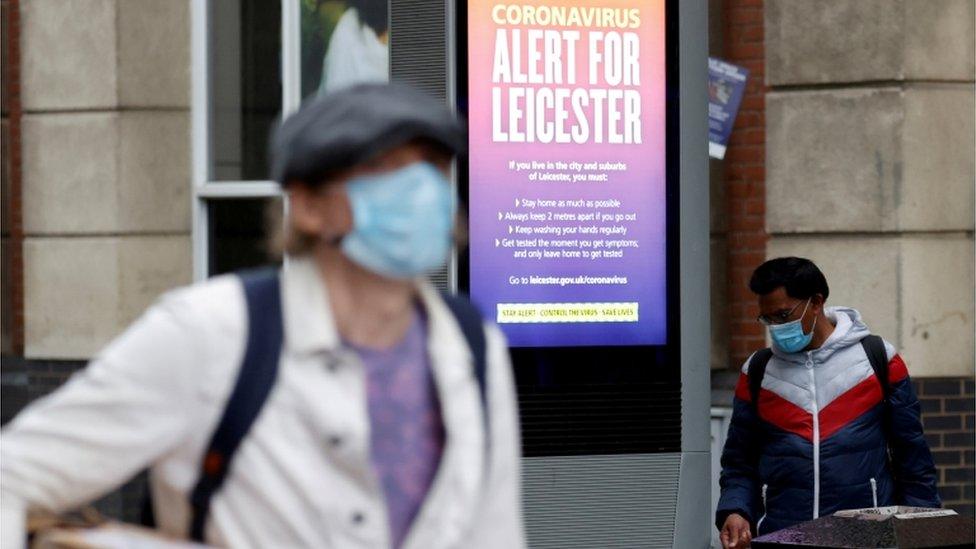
(407,434)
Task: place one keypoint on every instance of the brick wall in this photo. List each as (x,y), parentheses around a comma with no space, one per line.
(948,419)
(745,176)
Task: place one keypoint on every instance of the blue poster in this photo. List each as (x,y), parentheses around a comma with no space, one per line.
(726,83)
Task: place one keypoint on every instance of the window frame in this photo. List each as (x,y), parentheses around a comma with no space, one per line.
(204,188)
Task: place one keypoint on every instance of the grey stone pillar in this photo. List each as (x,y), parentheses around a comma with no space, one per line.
(869,162)
(106,166)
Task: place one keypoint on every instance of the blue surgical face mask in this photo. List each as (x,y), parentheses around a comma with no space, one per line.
(402,221)
(789,337)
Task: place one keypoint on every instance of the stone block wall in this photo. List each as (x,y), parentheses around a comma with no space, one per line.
(95,216)
(870,163)
(106,167)
(869,173)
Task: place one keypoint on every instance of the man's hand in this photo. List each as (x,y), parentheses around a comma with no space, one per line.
(735,532)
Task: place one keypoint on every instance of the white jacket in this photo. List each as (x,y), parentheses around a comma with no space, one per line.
(154,397)
(355,55)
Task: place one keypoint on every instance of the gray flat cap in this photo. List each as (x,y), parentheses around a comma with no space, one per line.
(346,127)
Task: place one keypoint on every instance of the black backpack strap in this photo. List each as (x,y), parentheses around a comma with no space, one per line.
(259,368)
(757,370)
(472,326)
(874,347)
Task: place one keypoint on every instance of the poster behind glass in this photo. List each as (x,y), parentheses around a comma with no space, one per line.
(567,172)
(344,42)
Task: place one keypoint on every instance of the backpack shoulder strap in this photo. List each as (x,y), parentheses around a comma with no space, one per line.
(473,328)
(265,334)
(874,347)
(757,370)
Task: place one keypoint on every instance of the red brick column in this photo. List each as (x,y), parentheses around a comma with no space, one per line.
(745,176)
(16,179)
(11,100)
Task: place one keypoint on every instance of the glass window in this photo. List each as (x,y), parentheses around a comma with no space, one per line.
(239,232)
(260,58)
(245,86)
(343,43)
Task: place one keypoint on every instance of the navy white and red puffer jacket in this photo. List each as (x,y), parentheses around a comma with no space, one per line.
(818,443)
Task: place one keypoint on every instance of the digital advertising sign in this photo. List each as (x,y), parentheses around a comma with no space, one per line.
(567,170)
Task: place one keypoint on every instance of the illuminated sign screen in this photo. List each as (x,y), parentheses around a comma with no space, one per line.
(567,190)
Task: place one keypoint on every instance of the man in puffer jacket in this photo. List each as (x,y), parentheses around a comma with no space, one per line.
(817,440)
